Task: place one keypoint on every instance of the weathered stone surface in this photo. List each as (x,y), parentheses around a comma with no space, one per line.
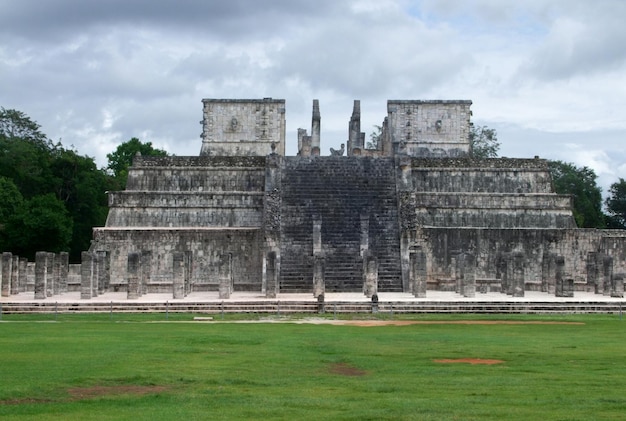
(64,260)
(133,274)
(179,276)
(370,276)
(285,221)
(41,264)
(86,276)
(7,268)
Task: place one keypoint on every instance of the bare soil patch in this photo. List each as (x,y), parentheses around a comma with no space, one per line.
(79,393)
(472,361)
(344,369)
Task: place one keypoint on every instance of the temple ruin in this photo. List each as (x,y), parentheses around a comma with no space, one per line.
(417,213)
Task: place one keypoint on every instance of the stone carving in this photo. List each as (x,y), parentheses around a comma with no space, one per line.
(335,152)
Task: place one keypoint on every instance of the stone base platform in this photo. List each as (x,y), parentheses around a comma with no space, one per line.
(250,302)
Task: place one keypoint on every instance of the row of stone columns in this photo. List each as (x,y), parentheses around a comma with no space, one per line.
(94,274)
(51,274)
(12,274)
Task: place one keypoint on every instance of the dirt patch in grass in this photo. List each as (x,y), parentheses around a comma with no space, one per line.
(80,393)
(344,369)
(472,361)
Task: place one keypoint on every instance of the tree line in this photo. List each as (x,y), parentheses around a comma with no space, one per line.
(51,196)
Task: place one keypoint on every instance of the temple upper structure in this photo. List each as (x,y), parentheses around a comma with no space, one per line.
(243,127)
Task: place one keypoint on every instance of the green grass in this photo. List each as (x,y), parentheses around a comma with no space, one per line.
(294,371)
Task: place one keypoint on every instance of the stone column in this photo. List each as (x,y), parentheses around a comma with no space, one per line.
(617,286)
(225,276)
(418,274)
(365,233)
(370,284)
(319,285)
(548,269)
(592,271)
(102,272)
(15,275)
(64,260)
(41,263)
(86,275)
(316,122)
(178,282)
(146,270)
(56,275)
(566,287)
(271,275)
(7,267)
(133,274)
(188,271)
(355,142)
(23,278)
(50,275)
(518,286)
(607,269)
(559,273)
(469,275)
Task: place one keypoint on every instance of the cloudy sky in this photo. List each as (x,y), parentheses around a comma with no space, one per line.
(550,76)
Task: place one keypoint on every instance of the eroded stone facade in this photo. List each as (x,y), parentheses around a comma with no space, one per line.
(415,214)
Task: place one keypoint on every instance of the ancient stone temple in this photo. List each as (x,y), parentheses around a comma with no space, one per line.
(415,214)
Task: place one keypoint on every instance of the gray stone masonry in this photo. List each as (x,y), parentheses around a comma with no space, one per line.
(370,276)
(179,276)
(86,275)
(134,275)
(468,269)
(15,275)
(64,259)
(617,287)
(319,285)
(41,264)
(7,267)
(243,127)
(607,267)
(226,276)
(50,275)
(310,223)
(418,273)
(23,278)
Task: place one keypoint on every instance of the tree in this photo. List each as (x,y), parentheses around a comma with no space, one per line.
(483,142)
(376,137)
(616,205)
(40,224)
(122,158)
(17,125)
(581,184)
(82,187)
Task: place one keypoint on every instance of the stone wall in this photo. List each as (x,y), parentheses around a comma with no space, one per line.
(430,128)
(242,127)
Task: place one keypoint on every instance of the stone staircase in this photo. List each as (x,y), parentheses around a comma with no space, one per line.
(387,308)
(339,191)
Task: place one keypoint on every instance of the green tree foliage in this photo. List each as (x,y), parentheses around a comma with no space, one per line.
(616,205)
(10,199)
(122,158)
(81,187)
(581,184)
(39,224)
(483,142)
(376,137)
(17,125)
(41,171)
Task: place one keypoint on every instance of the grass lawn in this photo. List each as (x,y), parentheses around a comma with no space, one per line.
(133,367)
